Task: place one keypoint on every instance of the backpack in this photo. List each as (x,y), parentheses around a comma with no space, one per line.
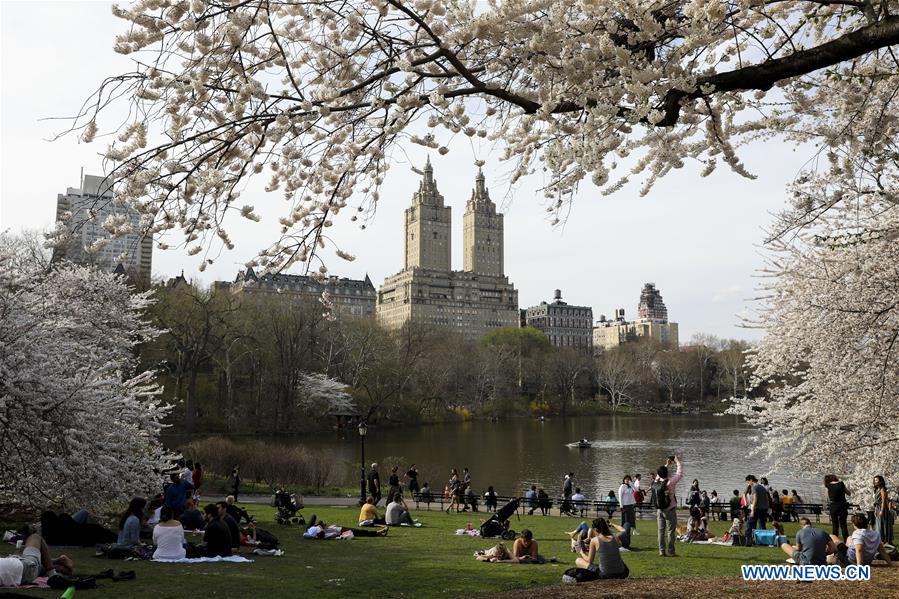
(661,495)
(575,575)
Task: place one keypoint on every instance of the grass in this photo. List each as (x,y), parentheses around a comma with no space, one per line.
(426,562)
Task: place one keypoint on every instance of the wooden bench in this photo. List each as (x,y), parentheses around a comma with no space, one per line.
(807,509)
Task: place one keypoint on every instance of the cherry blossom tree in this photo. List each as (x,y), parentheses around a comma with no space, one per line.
(314,95)
(79,425)
(324,395)
(830,358)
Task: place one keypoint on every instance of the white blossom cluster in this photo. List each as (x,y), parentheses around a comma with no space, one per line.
(313,95)
(827,371)
(79,425)
(324,395)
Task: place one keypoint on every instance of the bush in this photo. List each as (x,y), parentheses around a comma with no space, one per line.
(273,464)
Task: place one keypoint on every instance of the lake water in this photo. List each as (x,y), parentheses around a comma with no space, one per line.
(513,454)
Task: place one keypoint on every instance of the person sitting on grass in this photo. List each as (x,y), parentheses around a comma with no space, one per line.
(581,535)
(35,561)
(192,518)
(318,529)
(238,513)
(863,547)
(216,537)
(606,546)
(130,523)
(168,536)
(368,515)
(398,514)
(231,523)
(813,545)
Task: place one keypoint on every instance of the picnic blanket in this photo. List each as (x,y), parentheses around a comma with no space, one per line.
(474,532)
(234,559)
(39,583)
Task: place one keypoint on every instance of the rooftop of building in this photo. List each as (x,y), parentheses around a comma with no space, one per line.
(249,276)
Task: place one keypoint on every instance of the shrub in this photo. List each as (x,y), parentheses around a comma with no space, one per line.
(273,464)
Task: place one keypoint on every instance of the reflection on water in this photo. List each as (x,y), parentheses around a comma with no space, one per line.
(511,455)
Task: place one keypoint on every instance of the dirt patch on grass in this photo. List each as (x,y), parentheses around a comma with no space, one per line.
(884,583)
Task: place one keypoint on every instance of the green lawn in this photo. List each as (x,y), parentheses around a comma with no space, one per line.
(424,562)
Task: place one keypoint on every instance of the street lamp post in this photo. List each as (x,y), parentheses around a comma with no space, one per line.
(362,430)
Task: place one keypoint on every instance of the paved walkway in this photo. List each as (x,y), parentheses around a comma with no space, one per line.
(307,500)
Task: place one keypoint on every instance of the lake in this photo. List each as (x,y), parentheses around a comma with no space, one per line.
(513,454)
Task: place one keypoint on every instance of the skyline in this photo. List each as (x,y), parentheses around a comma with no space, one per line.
(695,238)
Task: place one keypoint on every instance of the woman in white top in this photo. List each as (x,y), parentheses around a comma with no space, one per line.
(168,536)
(627,502)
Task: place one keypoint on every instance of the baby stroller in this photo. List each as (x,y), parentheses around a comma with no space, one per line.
(288,506)
(497,525)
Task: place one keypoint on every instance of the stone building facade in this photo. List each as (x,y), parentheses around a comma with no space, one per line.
(84,211)
(563,325)
(427,291)
(352,297)
(651,323)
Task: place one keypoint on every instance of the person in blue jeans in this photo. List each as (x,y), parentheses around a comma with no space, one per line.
(758,507)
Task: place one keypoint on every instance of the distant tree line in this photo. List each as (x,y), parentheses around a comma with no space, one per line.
(237,363)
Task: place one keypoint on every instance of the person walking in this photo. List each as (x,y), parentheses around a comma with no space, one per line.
(567,487)
(234,481)
(694,497)
(374,483)
(412,478)
(883,515)
(393,483)
(627,502)
(664,498)
(837,505)
(758,507)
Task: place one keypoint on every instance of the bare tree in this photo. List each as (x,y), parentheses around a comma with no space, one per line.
(615,375)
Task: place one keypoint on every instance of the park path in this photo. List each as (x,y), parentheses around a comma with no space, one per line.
(884,583)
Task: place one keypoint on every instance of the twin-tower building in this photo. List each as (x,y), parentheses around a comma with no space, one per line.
(428,291)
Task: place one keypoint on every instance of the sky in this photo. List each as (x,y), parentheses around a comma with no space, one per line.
(698,239)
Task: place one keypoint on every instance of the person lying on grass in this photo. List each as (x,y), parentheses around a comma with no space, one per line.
(35,561)
(318,529)
(605,545)
(524,551)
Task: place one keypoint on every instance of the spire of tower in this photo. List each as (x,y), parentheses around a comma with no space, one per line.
(480,187)
(429,170)
(479,194)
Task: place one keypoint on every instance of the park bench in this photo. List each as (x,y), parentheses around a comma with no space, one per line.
(808,509)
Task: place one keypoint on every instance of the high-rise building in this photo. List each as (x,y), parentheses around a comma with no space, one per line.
(563,325)
(427,291)
(428,227)
(651,323)
(651,306)
(482,233)
(351,297)
(91,212)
